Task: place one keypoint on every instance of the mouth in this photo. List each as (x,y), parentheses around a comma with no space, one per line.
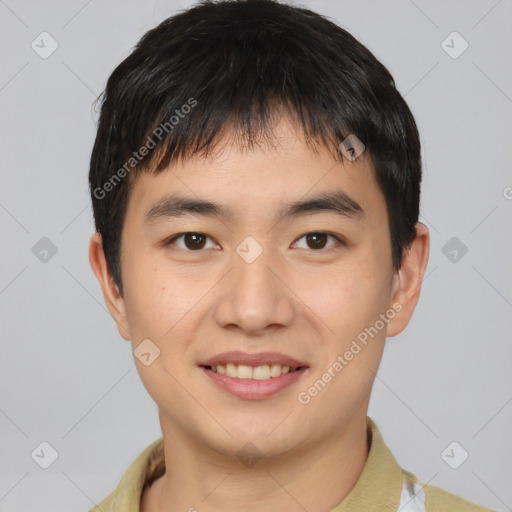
(253,376)
(260,372)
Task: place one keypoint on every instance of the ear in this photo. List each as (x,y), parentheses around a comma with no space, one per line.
(408,279)
(113,300)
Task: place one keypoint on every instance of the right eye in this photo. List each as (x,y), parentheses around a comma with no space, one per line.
(191,241)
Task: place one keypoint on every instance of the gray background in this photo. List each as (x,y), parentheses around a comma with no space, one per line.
(68,378)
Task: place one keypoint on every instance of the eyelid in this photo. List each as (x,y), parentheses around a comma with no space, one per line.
(339,239)
(173,238)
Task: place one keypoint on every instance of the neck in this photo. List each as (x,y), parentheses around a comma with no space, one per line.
(316,477)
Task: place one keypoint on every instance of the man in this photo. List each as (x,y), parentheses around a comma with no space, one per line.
(256,182)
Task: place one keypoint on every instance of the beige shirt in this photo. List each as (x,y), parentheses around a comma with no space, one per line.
(383,486)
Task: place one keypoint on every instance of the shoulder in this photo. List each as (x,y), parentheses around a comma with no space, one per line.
(439,500)
(148,466)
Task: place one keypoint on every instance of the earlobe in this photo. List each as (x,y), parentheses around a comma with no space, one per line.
(408,280)
(113,300)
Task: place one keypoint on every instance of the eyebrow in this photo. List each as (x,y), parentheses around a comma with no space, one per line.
(337,202)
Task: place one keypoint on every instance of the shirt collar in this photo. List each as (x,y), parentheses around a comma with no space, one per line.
(379,486)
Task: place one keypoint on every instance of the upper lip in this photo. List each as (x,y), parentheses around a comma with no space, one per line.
(244,358)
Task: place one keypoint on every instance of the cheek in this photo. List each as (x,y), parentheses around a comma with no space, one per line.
(353,298)
(155,300)
(351,304)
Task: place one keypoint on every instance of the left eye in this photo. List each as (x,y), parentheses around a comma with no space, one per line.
(317,241)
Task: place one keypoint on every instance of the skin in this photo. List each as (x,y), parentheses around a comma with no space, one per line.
(305,302)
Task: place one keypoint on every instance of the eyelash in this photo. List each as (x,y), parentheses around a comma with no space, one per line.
(340,240)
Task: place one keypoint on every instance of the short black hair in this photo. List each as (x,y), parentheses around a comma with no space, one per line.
(232,65)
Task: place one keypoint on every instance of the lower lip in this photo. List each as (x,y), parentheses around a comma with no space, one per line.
(251,388)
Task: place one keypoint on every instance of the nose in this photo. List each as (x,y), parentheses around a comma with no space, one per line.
(254,297)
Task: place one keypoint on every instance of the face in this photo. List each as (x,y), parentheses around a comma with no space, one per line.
(267,303)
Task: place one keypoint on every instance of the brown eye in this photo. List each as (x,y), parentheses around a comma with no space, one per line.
(316,240)
(319,240)
(191,241)
(194,241)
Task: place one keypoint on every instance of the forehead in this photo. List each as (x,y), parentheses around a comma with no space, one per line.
(261,178)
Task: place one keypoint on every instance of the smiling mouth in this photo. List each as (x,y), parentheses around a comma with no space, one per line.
(261,372)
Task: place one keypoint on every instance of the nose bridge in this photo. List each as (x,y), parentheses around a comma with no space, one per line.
(253,297)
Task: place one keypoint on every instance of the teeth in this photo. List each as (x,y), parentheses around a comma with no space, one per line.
(241,371)
(275,370)
(261,372)
(231,370)
(244,372)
